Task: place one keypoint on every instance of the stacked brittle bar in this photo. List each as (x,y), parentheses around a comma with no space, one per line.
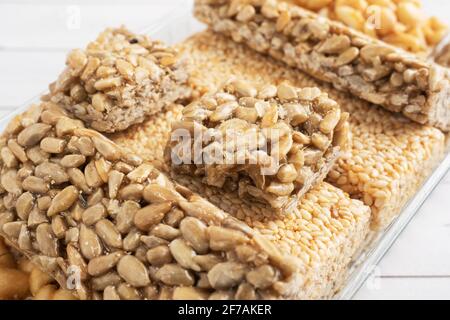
(272,143)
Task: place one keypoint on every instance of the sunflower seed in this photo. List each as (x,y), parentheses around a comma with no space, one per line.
(78,180)
(92,177)
(100,265)
(141,173)
(95,197)
(183,254)
(159,255)
(226,275)
(286,92)
(8,157)
(63,200)
(93,214)
(36,217)
(114,181)
(152,241)
(109,279)
(207,261)
(108,233)
(133,271)
(66,126)
(127,292)
(85,146)
(10,182)
(125,216)
(24,205)
(73,160)
(131,191)
(165,232)
(46,240)
(35,184)
(223,239)
(173,217)
(174,275)
(17,150)
(59,227)
(24,239)
(51,172)
(31,135)
(110,293)
(245,292)
(194,232)
(151,215)
(262,277)
(132,240)
(155,193)
(53,145)
(37,155)
(89,242)
(107,148)
(76,259)
(12,229)
(189,293)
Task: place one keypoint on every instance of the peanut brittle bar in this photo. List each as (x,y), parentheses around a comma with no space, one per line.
(119,80)
(270,144)
(329,51)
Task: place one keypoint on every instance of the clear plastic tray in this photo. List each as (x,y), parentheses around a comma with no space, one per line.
(179,25)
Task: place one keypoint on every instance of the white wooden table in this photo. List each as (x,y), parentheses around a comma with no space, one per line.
(34,39)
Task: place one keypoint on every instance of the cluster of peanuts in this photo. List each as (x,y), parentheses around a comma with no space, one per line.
(276,141)
(399,22)
(20,279)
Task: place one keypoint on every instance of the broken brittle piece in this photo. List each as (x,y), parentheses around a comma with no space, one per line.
(271,143)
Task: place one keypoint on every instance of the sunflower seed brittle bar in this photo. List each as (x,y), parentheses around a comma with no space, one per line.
(110,226)
(119,79)
(270,143)
(327,50)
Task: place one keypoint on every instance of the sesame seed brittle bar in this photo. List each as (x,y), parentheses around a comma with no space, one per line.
(271,144)
(388,157)
(119,79)
(108,225)
(329,51)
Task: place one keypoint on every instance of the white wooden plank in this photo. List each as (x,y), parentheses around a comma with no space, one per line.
(423,247)
(405,288)
(61,25)
(26,74)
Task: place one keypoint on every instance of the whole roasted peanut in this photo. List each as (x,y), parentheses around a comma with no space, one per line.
(13,284)
(38,279)
(6,258)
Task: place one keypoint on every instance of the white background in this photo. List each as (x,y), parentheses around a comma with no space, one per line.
(35,36)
